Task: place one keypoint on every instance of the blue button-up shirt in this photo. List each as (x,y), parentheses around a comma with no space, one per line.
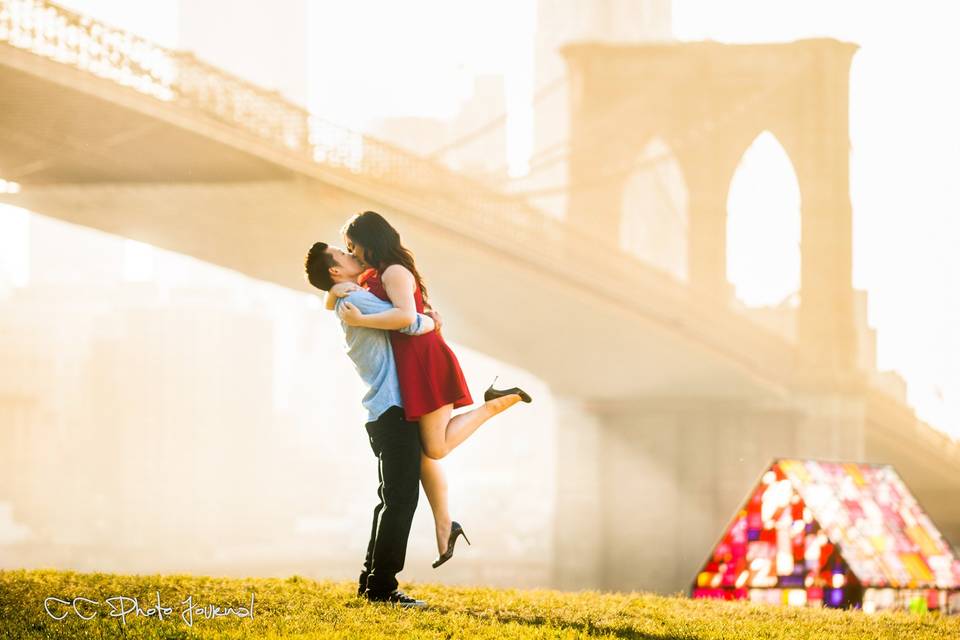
(372,354)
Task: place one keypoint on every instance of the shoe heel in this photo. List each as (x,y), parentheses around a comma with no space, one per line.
(465,537)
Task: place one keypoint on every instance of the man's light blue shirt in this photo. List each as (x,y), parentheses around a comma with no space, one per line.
(372,354)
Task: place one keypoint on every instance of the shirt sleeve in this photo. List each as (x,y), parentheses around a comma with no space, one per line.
(368,303)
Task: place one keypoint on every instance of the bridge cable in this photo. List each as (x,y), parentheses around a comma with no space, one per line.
(497,122)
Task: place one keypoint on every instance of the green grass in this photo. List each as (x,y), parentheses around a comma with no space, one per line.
(296,607)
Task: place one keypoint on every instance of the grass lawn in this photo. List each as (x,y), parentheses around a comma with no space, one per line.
(296,607)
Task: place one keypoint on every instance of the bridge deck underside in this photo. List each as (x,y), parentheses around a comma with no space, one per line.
(505,307)
(69,132)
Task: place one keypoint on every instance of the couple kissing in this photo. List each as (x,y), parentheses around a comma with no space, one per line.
(414,383)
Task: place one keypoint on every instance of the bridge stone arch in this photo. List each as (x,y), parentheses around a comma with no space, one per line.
(709,101)
(771,247)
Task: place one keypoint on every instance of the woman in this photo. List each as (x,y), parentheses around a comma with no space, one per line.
(431,381)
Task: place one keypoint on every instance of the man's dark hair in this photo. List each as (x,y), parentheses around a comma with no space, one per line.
(318,264)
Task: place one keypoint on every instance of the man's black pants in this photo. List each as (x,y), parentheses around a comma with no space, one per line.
(396,443)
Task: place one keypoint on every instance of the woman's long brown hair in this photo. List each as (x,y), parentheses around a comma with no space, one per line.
(381,244)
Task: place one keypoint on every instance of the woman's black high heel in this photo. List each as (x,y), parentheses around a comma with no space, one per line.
(492,393)
(455,531)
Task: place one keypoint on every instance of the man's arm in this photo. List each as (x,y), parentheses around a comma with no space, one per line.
(390,319)
(367,304)
(399,284)
(423,324)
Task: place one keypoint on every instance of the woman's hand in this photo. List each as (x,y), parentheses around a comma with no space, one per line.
(341,289)
(351,315)
(435,315)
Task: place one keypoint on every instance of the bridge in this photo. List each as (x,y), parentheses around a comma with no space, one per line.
(670,398)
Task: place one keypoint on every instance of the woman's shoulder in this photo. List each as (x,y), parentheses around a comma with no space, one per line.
(396,271)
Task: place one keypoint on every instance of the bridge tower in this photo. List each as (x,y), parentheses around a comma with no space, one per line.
(659,464)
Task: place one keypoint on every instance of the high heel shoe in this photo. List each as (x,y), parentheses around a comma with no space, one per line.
(455,531)
(492,393)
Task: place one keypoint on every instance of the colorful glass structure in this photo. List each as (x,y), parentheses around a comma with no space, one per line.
(832,534)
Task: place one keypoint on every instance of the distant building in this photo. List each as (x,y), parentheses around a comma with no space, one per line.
(60,254)
(109,372)
(94,367)
(483,155)
(416,134)
(451,141)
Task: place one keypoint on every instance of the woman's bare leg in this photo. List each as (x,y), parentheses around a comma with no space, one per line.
(440,433)
(434,482)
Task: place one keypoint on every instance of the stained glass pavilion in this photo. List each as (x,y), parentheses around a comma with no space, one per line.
(832,534)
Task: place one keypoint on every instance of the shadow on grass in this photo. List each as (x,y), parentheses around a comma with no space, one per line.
(583,628)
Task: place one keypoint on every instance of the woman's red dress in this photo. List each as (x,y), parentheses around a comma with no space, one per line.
(429,372)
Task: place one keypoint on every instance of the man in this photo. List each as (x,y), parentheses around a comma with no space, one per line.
(394,440)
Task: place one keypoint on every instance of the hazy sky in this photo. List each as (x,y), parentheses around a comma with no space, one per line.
(372,59)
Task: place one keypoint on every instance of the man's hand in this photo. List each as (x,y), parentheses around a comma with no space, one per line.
(427,325)
(341,289)
(350,314)
(437,320)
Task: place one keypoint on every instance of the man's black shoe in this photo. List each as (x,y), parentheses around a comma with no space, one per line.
(397,598)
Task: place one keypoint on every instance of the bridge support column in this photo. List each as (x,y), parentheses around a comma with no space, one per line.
(645,487)
(829,389)
(648,468)
(578,525)
(708,185)
(832,426)
(820,148)
(707,252)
